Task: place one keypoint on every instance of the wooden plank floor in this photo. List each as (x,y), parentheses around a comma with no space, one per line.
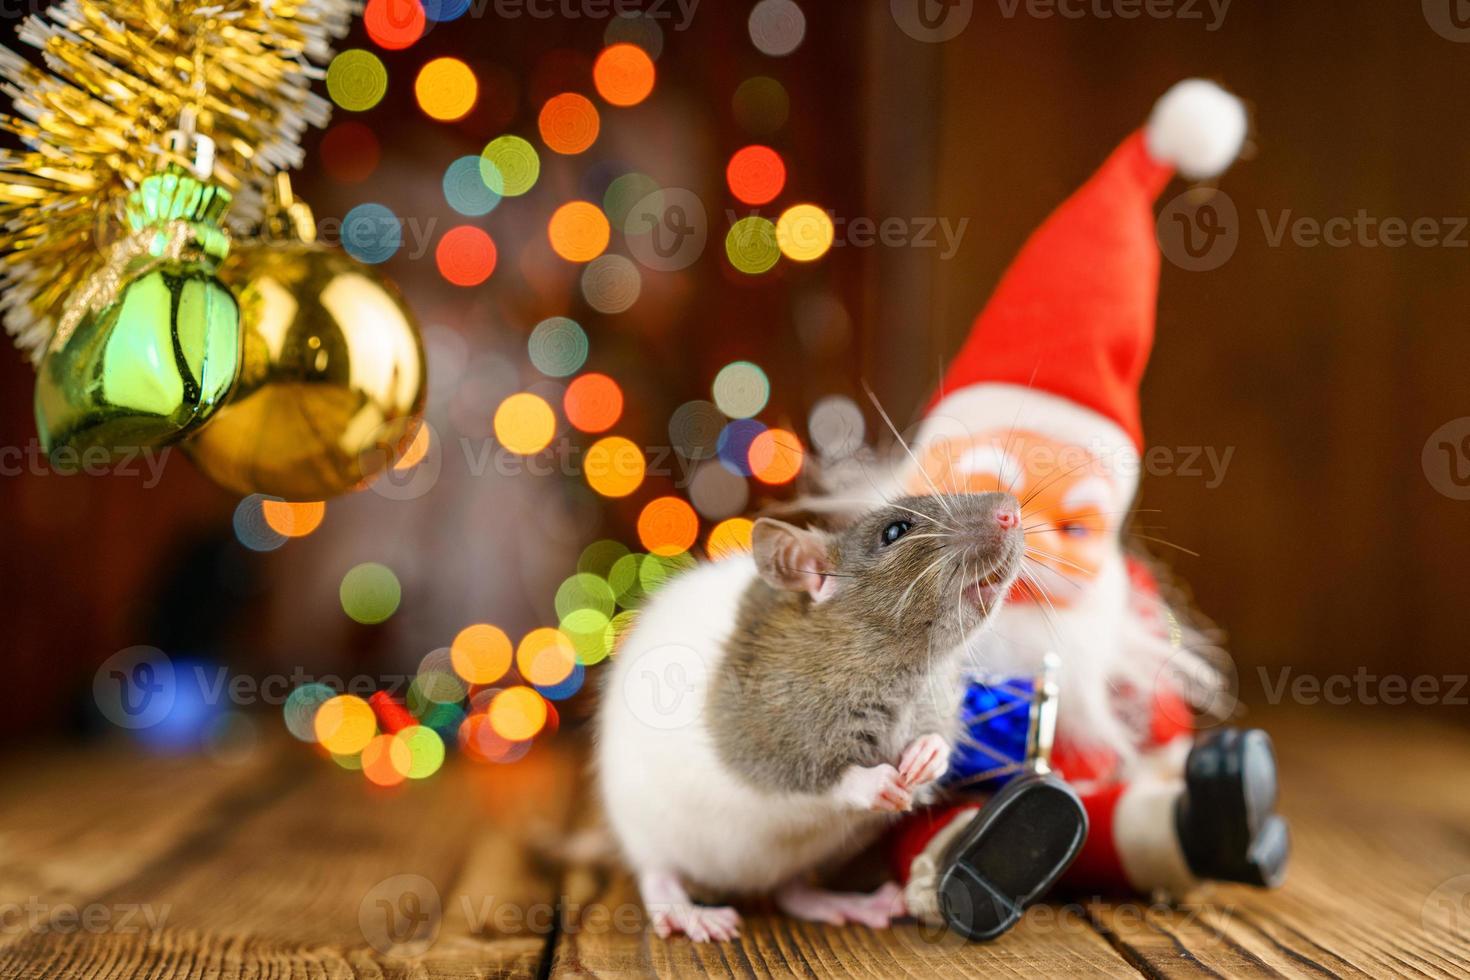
(116,865)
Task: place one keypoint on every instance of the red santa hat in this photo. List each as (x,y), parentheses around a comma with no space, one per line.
(1062,344)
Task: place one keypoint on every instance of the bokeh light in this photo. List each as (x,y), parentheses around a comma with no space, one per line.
(611,284)
(624,579)
(716,492)
(350,152)
(751,245)
(735,442)
(371,233)
(578,231)
(599,557)
(465,188)
(777,27)
(301,707)
(624,192)
(569,123)
(624,74)
(251,528)
(356,80)
(776,456)
(804,232)
(293,519)
(568,685)
(836,426)
(656,571)
(370,592)
(446,89)
(587,631)
(546,656)
(756,174)
(730,537)
(480,653)
(425,750)
(694,429)
(440,11)
(584,590)
(344,724)
(465,255)
(558,346)
(761,105)
(517,713)
(386,760)
(668,526)
(394,24)
(614,466)
(524,423)
(510,166)
(593,402)
(636,28)
(618,627)
(741,389)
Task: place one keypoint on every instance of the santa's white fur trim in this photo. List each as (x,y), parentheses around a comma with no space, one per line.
(1145,834)
(1198,127)
(961,415)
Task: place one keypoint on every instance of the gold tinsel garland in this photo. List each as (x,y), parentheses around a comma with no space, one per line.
(119,75)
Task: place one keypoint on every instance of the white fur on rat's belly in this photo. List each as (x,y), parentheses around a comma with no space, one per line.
(671,802)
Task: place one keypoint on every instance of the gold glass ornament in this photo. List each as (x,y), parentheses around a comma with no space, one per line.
(148,347)
(332,372)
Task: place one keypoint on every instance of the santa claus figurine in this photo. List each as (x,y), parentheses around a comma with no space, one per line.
(1042,401)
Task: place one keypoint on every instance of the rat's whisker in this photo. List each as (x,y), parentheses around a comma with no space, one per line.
(903,600)
(1054,478)
(1058,558)
(902,442)
(813,571)
(1106,513)
(1167,544)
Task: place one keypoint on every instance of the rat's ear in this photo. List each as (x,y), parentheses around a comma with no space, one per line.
(790,557)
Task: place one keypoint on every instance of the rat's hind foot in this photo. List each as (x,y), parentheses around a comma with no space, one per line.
(876,911)
(878,788)
(670,910)
(924,761)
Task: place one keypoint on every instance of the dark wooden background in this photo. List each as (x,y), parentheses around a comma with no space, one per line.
(1324,549)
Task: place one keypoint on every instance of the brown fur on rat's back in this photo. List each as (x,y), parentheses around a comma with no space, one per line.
(807,689)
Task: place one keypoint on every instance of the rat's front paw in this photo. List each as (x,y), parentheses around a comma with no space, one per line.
(924,761)
(879,788)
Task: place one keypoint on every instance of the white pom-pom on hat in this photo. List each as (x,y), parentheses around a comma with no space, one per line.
(1197,127)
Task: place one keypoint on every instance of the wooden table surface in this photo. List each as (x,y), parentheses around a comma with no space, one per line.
(117,865)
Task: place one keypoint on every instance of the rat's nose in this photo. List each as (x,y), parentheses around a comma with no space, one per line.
(1007,518)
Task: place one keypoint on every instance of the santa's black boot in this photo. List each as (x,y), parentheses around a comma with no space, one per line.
(1227,820)
(1010,855)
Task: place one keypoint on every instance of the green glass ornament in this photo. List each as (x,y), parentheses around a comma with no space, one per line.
(151,346)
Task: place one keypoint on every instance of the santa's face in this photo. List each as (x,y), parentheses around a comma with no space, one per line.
(1068,505)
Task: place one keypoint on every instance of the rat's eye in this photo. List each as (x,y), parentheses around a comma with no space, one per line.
(896,530)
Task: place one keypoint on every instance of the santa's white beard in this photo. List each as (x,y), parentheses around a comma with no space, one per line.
(1112,659)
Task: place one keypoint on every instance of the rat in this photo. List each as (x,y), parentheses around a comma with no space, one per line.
(768,714)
